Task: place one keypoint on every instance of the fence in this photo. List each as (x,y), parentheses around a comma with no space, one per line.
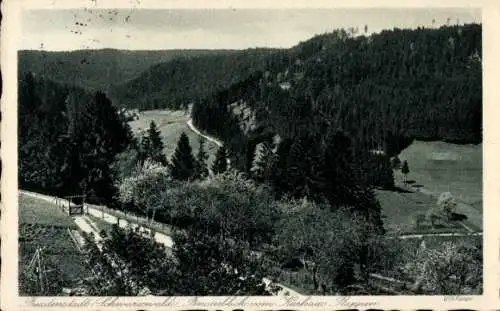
(75,208)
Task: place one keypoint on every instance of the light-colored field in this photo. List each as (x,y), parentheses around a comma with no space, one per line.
(436,167)
(44,225)
(439,167)
(400,208)
(171,124)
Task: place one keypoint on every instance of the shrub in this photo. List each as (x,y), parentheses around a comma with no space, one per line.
(235,205)
(340,244)
(454,268)
(447,203)
(143,190)
(125,163)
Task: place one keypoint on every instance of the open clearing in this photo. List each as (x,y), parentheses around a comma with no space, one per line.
(44,225)
(439,167)
(436,167)
(400,208)
(171,124)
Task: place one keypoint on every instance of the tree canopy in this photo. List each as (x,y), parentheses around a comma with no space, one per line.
(68,139)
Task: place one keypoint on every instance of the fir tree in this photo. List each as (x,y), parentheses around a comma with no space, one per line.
(144,147)
(201,160)
(155,151)
(220,163)
(386,173)
(405,169)
(396,163)
(294,175)
(265,165)
(183,163)
(380,171)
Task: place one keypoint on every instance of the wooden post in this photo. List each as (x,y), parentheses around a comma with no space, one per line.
(82,209)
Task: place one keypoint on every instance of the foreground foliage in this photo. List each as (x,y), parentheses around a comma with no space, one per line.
(131,263)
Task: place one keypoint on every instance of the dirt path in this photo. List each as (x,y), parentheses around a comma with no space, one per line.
(194,129)
(210,138)
(419,236)
(122,223)
(84,221)
(87,225)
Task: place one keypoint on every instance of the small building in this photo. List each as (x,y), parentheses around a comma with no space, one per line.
(378,152)
(285,85)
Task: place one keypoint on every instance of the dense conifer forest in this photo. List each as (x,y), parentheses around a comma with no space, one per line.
(68,139)
(99,69)
(381,91)
(177,83)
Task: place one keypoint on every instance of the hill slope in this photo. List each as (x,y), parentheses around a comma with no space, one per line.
(98,69)
(176,83)
(381,91)
(424,83)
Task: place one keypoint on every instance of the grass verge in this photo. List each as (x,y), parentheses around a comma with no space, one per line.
(44,226)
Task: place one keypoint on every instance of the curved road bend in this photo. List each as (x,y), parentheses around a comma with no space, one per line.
(209,138)
(194,129)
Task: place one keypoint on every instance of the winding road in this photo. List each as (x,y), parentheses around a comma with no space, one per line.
(194,129)
(209,138)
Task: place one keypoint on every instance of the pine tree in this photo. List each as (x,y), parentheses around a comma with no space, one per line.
(294,176)
(264,166)
(144,148)
(382,171)
(99,136)
(396,163)
(155,144)
(201,160)
(405,169)
(183,163)
(220,163)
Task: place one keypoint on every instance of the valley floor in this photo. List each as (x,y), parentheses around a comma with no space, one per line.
(171,124)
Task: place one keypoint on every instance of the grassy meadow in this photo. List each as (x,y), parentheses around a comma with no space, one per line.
(171,124)
(400,209)
(439,167)
(435,167)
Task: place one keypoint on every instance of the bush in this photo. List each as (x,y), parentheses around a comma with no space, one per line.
(125,163)
(143,190)
(447,203)
(235,205)
(455,268)
(343,248)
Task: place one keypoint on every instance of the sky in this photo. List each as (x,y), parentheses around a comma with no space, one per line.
(153,29)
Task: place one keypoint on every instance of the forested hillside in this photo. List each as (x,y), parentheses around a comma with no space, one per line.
(177,83)
(381,91)
(99,69)
(68,139)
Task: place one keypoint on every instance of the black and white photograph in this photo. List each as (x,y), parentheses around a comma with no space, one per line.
(250,152)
